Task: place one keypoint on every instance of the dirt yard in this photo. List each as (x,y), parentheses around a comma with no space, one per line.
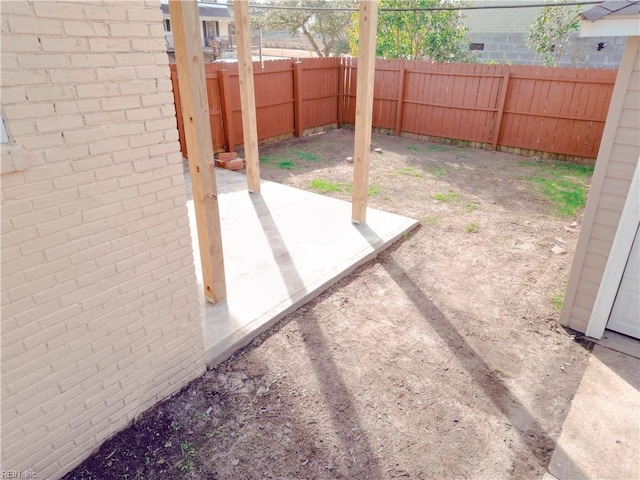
(440,359)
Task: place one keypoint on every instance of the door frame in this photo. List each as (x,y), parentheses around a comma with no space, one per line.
(617,261)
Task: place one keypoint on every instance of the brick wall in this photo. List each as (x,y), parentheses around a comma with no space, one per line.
(100,307)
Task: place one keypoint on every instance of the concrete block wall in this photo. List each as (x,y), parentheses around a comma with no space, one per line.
(510,48)
(100,307)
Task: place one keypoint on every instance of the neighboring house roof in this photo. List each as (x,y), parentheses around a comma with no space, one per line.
(205,10)
(613,7)
(613,18)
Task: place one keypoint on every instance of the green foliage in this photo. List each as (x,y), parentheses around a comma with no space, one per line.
(557,299)
(549,33)
(565,184)
(188,455)
(448,197)
(325,30)
(473,227)
(307,156)
(287,165)
(320,185)
(437,36)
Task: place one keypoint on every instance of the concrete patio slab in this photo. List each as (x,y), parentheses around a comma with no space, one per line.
(600,438)
(282,247)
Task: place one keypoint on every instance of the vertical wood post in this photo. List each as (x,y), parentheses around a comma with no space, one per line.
(176,101)
(297,99)
(364,108)
(400,102)
(247,94)
(340,93)
(227,113)
(500,114)
(197,128)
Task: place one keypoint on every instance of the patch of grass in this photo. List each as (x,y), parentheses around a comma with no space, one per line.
(413,148)
(373,190)
(428,221)
(287,165)
(438,148)
(449,197)
(462,155)
(175,426)
(188,455)
(473,227)
(564,184)
(471,207)
(410,171)
(307,156)
(437,171)
(264,159)
(557,299)
(322,186)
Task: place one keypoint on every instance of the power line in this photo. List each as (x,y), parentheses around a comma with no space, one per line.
(423,9)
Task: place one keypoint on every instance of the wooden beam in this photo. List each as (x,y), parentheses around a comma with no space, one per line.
(247,94)
(364,108)
(185,24)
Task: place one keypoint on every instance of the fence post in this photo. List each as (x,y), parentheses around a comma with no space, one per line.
(500,114)
(399,102)
(297,98)
(340,93)
(227,114)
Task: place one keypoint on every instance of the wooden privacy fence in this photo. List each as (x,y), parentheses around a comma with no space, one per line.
(556,110)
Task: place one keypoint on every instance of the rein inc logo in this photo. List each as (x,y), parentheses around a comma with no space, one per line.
(18,474)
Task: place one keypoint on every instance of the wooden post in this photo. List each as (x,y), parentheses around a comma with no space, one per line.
(297,99)
(399,103)
(227,113)
(364,108)
(197,128)
(340,93)
(500,114)
(247,94)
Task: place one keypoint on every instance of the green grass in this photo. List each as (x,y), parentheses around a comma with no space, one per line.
(307,156)
(287,165)
(264,159)
(438,148)
(436,171)
(188,454)
(557,299)
(409,171)
(373,190)
(564,184)
(413,148)
(471,207)
(473,227)
(322,186)
(449,197)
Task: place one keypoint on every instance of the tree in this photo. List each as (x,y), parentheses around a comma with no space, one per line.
(550,32)
(325,30)
(438,36)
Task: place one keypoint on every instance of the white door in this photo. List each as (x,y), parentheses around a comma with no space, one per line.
(625,314)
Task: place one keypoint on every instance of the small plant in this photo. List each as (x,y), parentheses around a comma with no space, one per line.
(287,165)
(322,186)
(471,207)
(413,148)
(473,227)
(448,197)
(557,299)
(438,148)
(264,159)
(410,171)
(428,221)
(307,156)
(175,426)
(207,434)
(188,455)
(373,190)
(437,171)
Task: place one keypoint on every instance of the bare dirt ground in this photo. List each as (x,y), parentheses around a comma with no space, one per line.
(440,359)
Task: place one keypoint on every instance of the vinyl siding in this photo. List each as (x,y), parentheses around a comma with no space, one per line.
(611,181)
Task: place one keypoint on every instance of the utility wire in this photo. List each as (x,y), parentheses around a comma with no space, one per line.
(421,9)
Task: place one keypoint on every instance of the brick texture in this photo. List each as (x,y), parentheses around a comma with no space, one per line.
(100,311)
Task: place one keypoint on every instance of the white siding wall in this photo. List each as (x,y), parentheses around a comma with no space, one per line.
(100,309)
(616,163)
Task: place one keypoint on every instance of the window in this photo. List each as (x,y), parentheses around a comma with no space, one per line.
(167,25)
(211,29)
(476,46)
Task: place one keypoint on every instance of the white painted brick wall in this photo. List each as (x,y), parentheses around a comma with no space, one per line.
(100,309)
